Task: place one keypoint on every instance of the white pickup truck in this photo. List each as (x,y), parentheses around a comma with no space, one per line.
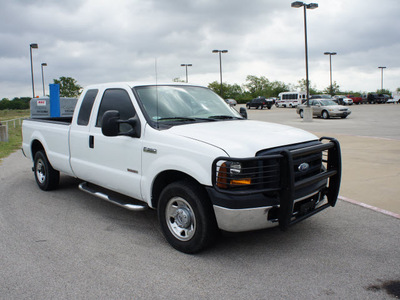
(182,150)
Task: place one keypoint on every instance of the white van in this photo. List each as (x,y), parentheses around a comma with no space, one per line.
(291,99)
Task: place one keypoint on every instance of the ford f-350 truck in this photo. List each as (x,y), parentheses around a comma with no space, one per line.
(180,149)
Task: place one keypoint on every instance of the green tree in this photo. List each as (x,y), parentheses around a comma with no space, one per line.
(334,91)
(384,91)
(68,87)
(177,79)
(278,87)
(4,103)
(228,90)
(257,86)
(261,86)
(301,84)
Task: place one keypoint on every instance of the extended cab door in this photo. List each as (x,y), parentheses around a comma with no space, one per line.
(111,162)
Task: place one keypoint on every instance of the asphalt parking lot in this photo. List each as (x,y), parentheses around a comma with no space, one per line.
(370,142)
(66,244)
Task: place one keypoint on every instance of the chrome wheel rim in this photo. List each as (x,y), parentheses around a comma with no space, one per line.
(180,219)
(40,171)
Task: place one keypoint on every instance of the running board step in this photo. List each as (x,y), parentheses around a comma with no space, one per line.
(112,197)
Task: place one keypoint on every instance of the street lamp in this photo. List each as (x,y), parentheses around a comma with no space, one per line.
(220,65)
(44,91)
(381,77)
(298,4)
(32,46)
(186,65)
(330,66)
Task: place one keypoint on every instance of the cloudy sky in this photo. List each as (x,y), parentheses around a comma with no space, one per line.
(97,41)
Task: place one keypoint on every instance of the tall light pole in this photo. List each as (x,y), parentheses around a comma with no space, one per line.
(381,77)
(298,4)
(186,65)
(33,46)
(220,65)
(330,66)
(44,91)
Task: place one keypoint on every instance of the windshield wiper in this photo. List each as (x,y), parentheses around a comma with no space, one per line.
(223,117)
(184,119)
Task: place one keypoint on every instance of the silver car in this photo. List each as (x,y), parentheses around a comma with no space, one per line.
(325,108)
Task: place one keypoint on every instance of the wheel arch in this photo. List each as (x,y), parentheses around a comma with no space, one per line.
(325,111)
(36,146)
(165,178)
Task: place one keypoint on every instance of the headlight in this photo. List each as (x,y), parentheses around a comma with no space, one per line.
(230,174)
(235,168)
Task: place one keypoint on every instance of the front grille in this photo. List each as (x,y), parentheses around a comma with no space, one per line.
(312,161)
(284,174)
(263,172)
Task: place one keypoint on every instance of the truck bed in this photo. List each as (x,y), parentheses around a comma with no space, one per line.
(53,134)
(58,120)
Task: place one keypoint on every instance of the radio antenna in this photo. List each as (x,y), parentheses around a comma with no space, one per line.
(155,67)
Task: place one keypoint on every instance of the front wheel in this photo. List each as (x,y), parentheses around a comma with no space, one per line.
(46,177)
(301,114)
(186,216)
(325,115)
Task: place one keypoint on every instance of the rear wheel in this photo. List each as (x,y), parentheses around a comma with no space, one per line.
(46,177)
(186,216)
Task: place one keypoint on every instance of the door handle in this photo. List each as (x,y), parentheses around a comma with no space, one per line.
(91,141)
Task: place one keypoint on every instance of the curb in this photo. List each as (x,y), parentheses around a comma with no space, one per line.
(380,210)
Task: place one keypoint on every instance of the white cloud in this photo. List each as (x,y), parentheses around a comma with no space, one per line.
(100,41)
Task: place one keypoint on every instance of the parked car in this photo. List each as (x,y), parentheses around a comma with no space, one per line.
(356,100)
(321,96)
(325,108)
(182,151)
(395,97)
(392,101)
(231,102)
(260,102)
(373,98)
(342,100)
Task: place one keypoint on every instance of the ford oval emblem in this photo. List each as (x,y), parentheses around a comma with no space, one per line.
(303,167)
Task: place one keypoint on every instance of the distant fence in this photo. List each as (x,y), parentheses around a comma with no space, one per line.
(5,125)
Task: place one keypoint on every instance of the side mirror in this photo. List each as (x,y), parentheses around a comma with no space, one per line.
(243,112)
(111,125)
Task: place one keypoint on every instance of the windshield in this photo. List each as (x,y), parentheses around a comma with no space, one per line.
(183,104)
(327,102)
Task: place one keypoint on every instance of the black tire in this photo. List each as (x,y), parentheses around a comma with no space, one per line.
(46,177)
(269,107)
(301,113)
(186,217)
(325,115)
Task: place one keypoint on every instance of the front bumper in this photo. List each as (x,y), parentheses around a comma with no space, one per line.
(339,113)
(247,219)
(284,201)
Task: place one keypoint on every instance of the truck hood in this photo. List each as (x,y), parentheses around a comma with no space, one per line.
(243,138)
